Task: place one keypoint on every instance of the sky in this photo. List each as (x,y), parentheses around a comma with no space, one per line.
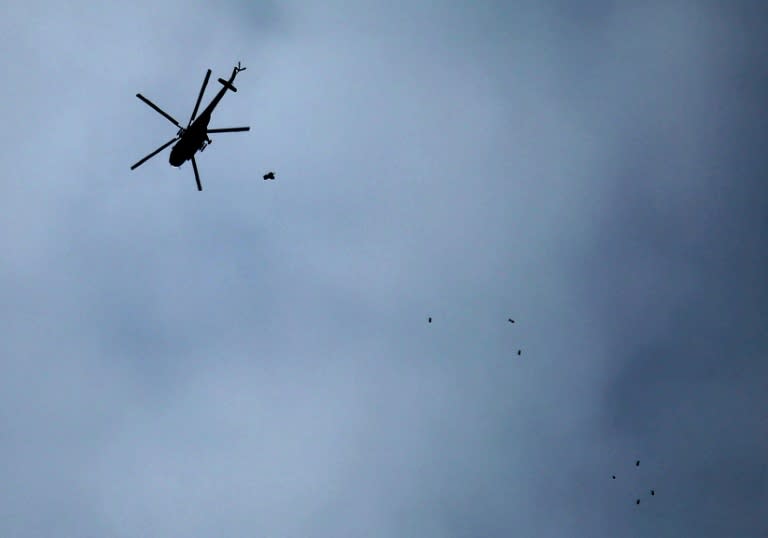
(255,359)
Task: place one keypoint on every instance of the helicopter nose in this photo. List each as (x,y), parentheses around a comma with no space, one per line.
(176,158)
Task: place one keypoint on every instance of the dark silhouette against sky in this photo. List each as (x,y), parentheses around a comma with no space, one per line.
(194,137)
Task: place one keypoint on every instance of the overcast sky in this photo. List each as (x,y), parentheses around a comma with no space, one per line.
(255,360)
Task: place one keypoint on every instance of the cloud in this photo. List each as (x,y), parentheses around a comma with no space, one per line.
(256,358)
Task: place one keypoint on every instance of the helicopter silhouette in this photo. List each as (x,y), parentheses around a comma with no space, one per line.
(194,137)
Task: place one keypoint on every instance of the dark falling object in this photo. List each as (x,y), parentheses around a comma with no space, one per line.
(637,463)
(519,351)
(638,501)
(194,137)
(269,175)
(613,477)
(510,320)
(429,320)
(653,492)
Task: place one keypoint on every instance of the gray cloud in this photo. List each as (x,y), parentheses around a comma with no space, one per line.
(256,358)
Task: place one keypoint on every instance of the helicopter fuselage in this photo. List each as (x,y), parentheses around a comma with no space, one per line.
(195,137)
(191,141)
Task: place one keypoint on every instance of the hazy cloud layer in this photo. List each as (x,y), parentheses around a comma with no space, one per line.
(255,360)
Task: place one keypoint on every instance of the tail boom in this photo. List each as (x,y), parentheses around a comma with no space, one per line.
(228,85)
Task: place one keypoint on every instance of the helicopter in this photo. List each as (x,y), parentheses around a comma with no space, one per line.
(194,137)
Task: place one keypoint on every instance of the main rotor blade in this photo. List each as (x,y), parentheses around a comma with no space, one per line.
(229,130)
(197,175)
(158,150)
(158,109)
(199,98)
